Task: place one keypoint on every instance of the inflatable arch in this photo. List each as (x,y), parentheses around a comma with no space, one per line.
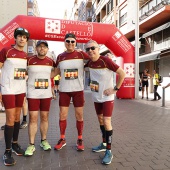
(55,29)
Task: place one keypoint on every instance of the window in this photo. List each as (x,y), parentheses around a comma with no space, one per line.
(109,6)
(122,16)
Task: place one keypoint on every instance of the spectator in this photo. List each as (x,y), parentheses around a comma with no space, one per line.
(156,83)
(144,78)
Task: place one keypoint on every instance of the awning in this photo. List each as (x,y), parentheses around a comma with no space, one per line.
(162,27)
(149,57)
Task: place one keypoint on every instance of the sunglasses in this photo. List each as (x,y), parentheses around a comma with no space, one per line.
(91,48)
(68,41)
(21,29)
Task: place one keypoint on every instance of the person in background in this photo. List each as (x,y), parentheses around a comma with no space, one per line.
(52,89)
(13,64)
(156,83)
(24,123)
(144,79)
(39,95)
(56,83)
(70,65)
(101,74)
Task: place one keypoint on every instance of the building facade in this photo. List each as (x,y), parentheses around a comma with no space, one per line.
(10,9)
(154,27)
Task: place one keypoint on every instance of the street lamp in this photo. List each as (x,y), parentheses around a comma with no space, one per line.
(137,50)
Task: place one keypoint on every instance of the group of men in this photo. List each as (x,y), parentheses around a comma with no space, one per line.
(40,69)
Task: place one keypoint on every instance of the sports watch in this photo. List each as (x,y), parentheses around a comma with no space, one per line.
(115,88)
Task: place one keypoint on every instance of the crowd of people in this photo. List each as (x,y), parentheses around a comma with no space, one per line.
(28,84)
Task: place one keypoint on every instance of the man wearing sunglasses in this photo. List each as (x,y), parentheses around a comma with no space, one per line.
(71,66)
(101,74)
(39,95)
(13,64)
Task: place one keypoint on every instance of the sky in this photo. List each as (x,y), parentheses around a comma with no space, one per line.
(54,9)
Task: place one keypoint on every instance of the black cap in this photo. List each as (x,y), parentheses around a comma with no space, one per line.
(42,41)
(70,35)
(21,31)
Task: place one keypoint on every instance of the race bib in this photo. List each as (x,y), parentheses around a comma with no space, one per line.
(70,74)
(41,83)
(94,86)
(19,73)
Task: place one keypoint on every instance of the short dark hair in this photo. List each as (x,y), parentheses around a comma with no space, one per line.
(70,35)
(21,31)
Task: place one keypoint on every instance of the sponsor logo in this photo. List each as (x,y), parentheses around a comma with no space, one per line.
(52,26)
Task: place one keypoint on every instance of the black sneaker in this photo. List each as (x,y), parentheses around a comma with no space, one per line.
(23,125)
(3,127)
(8,159)
(16,148)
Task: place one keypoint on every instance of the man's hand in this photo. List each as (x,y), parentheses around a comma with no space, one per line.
(109,91)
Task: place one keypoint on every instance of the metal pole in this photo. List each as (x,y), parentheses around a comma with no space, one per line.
(163,97)
(137,51)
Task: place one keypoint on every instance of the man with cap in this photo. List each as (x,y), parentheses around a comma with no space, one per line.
(13,64)
(70,64)
(39,95)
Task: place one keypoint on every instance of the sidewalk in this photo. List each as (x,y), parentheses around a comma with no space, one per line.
(141,139)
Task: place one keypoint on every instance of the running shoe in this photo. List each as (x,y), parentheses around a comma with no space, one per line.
(8,159)
(23,125)
(45,145)
(30,150)
(3,127)
(99,148)
(16,148)
(80,145)
(107,157)
(61,143)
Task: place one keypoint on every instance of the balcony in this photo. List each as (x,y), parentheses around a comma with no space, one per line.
(151,7)
(152,15)
(89,18)
(88,3)
(30,3)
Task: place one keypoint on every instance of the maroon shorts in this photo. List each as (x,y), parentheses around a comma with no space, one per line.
(77,98)
(13,100)
(105,108)
(39,104)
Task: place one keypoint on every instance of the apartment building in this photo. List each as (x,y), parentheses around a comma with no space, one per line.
(154,27)
(10,9)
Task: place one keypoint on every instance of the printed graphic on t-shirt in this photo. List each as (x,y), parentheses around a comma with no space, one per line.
(71,74)
(19,73)
(41,83)
(94,86)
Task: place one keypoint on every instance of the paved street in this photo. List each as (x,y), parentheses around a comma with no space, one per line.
(141,139)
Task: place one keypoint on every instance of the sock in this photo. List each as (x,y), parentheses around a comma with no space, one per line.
(109,139)
(102,128)
(43,140)
(16,131)
(79,125)
(25,118)
(8,133)
(63,125)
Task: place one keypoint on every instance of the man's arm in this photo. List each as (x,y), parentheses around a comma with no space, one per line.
(55,72)
(1,64)
(121,74)
(166,86)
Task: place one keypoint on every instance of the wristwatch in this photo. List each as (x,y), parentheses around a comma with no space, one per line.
(115,88)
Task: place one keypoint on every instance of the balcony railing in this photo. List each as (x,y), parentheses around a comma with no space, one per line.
(151,7)
(88,3)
